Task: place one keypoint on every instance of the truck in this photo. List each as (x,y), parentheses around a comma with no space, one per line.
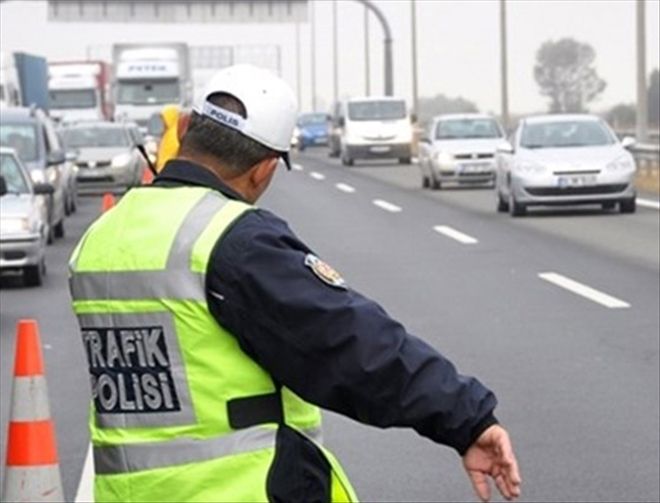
(79,90)
(10,89)
(32,73)
(147,77)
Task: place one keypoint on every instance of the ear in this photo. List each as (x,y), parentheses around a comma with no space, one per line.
(262,172)
(182,124)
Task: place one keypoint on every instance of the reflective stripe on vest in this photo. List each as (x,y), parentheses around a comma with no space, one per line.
(110,460)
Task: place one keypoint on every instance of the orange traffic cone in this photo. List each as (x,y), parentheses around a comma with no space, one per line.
(108,202)
(147,177)
(32,471)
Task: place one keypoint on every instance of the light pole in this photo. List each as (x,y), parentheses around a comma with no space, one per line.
(312,11)
(413,29)
(387,42)
(335,66)
(642,107)
(367,68)
(503,69)
(298,65)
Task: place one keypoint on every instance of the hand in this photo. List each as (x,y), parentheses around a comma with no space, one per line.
(491,455)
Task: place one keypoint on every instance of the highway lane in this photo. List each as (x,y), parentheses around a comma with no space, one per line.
(577,381)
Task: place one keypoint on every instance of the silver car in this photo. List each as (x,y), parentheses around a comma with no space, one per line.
(459,148)
(23,220)
(564,160)
(107,158)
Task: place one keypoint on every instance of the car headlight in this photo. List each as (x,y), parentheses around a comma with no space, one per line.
(443,157)
(38,176)
(623,163)
(529,167)
(121,160)
(14,225)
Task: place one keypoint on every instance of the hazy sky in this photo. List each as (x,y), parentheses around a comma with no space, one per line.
(458,44)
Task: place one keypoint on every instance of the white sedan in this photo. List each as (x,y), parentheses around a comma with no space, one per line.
(564,160)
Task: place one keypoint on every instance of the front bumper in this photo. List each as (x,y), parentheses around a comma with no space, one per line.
(92,180)
(551,189)
(465,172)
(311,141)
(20,251)
(379,151)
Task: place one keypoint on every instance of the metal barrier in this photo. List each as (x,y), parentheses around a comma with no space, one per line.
(647,156)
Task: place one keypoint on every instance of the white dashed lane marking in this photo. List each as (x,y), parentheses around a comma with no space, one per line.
(393,208)
(649,203)
(454,234)
(317,176)
(584,290)
(297,167)
(345,188)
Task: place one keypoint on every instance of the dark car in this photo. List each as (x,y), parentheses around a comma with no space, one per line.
(32,135)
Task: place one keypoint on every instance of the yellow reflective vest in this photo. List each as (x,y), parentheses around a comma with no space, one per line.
(180,412)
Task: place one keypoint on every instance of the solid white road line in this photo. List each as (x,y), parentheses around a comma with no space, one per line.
(454,234)
(297,167)
(317,176)
(345,188)
(85,492)
(584,290)
(393,208)
(649,203)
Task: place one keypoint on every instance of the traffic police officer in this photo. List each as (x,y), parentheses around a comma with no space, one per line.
(213,333)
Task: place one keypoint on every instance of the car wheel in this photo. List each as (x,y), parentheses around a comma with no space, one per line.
(425,182)
(33,275)
(516,209)
(49,236)
(502,204)
(435,183)
(58,230)
(67,206)
(404,160)
(346,160)
(628,205)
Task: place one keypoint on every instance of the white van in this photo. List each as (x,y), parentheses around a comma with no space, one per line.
(374,128)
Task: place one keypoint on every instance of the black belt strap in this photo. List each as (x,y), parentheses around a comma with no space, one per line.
(253,410)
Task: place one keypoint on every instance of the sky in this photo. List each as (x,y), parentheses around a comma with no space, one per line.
(457,45)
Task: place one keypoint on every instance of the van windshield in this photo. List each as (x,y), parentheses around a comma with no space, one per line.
(72,98)
(22,138)
(148,92)
(376,110)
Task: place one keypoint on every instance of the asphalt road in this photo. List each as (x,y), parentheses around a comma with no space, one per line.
(577,381)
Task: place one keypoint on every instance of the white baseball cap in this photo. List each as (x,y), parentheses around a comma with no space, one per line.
(270,104)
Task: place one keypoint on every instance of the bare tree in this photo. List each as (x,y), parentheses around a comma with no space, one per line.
(565,73)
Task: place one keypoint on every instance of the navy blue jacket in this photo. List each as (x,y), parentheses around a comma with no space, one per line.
(329,344)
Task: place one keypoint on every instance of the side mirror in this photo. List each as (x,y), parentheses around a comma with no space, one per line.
(504,148)
(3,186)
(413,118)
(43,189)
(71,156)
(425,139)
(56,157)
(628,142)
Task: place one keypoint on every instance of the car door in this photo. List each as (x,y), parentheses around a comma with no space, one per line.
(425,149)
(55,166)
(505,162)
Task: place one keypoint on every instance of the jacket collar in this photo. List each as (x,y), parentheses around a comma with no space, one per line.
(178,172)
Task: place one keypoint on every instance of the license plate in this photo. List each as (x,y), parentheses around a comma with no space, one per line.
(379,149)
(475,167)
(576,181)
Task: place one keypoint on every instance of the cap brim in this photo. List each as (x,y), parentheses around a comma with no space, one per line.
(287,161)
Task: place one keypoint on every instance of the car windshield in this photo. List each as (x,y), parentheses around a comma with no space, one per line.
(148,92)
(13,175)
(565,134)
(22,137)
(376,110)
(455,129)
(312,119)
(72,98)
(95,137)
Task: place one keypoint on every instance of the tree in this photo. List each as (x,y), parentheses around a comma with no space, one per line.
(654,98)
(441,104)
(622,116)
(565,73)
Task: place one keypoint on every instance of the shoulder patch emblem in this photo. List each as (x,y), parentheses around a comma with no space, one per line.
(324,272)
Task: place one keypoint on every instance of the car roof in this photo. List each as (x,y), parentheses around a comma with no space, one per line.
(7,150)
(535,119)
(95,124)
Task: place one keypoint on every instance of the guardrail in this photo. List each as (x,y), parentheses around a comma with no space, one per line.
(647,156)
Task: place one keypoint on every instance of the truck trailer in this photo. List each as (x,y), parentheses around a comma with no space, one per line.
(33,80)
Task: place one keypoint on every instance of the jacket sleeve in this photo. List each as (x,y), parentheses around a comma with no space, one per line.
(331,345)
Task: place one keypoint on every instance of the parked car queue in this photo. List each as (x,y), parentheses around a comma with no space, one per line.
(43,170)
